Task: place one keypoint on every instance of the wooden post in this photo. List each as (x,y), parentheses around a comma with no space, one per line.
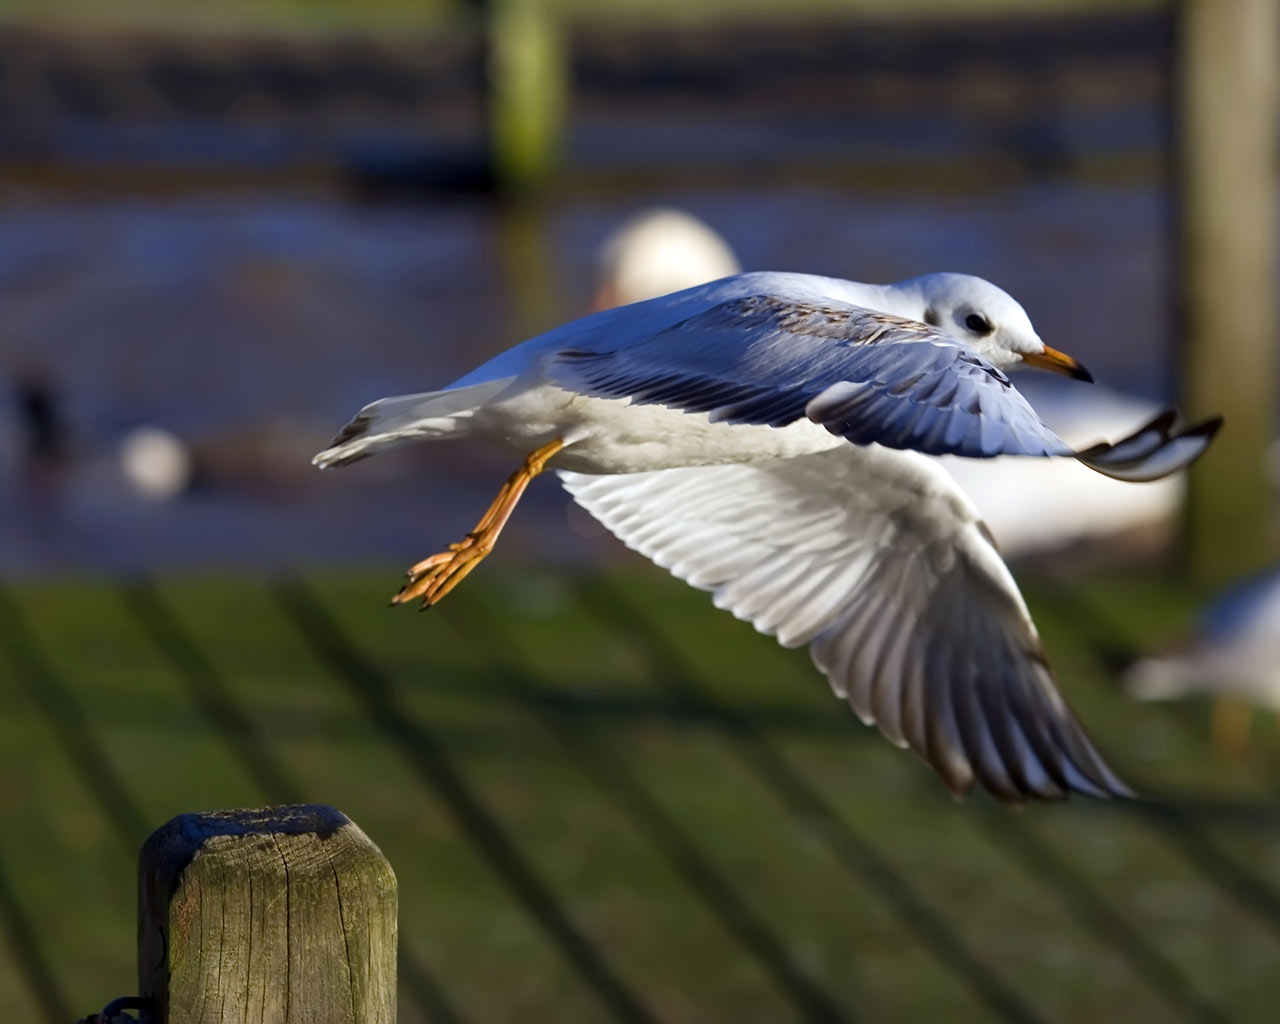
(285,914)
(527,85)
(1228,111)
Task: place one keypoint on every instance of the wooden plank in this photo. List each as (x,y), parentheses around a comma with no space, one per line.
(286,914)
(1228,119)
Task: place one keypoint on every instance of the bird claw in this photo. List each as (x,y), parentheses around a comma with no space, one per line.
(419,569)
(435,576)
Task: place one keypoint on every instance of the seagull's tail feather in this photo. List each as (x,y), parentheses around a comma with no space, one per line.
(1154,450)
(393,421)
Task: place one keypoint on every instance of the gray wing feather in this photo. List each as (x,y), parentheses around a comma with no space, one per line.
(1153,451)
(864,375)
(877,561)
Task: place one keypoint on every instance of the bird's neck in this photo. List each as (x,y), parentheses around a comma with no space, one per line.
(904,300)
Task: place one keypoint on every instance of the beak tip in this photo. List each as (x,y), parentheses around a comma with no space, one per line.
(1058,362)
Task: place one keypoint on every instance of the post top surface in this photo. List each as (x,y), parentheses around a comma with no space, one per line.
(187,833)
(170,848)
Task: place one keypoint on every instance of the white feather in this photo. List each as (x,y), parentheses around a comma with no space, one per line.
(872,615)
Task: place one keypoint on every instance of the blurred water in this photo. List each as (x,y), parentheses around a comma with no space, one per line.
(253,325)
(253,322)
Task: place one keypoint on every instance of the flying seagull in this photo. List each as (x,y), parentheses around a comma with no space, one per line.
(762,437)
(1031,506)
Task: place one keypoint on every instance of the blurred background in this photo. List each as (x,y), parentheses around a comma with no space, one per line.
(226,226)
(239,226)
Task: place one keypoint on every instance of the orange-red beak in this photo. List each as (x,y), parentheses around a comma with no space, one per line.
(1058,362)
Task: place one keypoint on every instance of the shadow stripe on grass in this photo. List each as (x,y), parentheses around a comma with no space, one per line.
(1171,820)
(25,951)
(66,718)
(1077,898)
(1098,919)
(276,784)
(1114,651)
(1095,916)
(608,703)
(209,692)
(621,787)
(374,691)
(806,806)
(88,757)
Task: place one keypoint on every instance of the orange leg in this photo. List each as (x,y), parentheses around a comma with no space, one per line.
(433,577)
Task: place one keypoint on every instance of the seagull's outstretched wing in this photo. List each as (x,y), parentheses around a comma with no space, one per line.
(878,562)
(866,376)
(770,357)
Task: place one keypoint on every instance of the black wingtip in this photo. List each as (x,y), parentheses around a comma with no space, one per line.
(1207,429)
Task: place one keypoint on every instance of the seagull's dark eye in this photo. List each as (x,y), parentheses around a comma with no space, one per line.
(978,323)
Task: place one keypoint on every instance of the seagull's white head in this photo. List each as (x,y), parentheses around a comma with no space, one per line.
(989,320)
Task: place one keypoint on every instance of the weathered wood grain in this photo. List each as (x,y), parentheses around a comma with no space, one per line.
(269,916)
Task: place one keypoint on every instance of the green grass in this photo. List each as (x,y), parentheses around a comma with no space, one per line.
(615,728)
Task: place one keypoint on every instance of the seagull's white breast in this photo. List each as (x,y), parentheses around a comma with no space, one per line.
(605,435)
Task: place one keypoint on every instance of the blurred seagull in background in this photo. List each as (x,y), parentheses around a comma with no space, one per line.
(1039,506)
(658,251)
(1235,659)
(761,437)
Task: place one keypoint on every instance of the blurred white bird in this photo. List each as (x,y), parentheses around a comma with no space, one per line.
(1038,506)
(1235,658)
(759,437)
(157,464)
(658,251)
